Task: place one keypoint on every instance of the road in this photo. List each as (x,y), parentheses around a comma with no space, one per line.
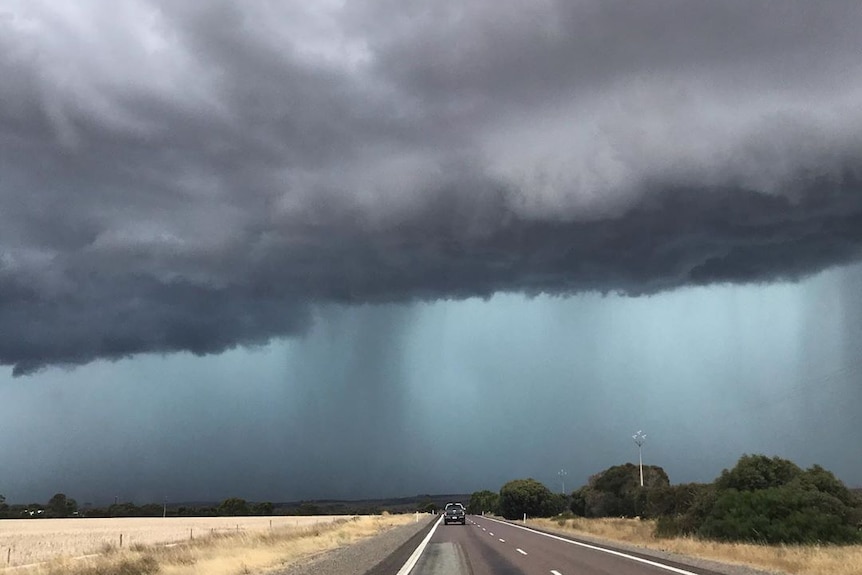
(487,546)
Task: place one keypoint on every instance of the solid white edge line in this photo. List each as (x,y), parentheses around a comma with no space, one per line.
(414,557)
(603,550)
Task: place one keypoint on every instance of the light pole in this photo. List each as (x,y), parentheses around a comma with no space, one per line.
(562,473)
(639,438)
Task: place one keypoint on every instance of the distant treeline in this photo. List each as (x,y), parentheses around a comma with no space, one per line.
(762,499)
(62,506)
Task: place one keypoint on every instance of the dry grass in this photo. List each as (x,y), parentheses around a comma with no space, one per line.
(795,559)
(218,548)
(38,540)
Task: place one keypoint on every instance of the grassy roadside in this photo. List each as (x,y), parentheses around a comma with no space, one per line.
(223,554)
(792,559)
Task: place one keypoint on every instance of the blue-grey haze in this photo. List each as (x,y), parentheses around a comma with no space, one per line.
(457,396)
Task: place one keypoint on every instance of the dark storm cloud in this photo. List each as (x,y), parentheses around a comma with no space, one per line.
(194,177)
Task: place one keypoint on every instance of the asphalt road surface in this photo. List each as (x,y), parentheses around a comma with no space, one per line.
(489,547)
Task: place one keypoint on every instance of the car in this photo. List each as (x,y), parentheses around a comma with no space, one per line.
(455,513)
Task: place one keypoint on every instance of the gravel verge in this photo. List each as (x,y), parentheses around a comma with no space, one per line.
(360,557)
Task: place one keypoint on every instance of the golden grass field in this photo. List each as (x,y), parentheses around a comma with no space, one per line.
(792,559)
(29,541)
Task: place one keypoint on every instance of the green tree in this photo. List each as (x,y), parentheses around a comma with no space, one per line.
(61,506)
(308,508)
(427,506)
(233,506)
(578,503)
(815,477)
(617,492)
(768,500)
(753,472)
(785,514)
(524,496)
(4,508)
(555,504)
(125,509)
(262,508)
(484,501)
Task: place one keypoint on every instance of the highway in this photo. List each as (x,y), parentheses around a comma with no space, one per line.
(487,546)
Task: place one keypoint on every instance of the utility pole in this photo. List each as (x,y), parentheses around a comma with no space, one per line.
(165,508)
(639,438)
(562,473)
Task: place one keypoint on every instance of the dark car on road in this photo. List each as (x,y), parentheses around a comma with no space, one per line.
(455,513)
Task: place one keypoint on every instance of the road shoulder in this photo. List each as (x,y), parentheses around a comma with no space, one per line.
(367,557)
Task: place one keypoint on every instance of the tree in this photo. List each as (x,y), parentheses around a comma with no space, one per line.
(554,505)
(484,501)
(4,509)
(308,508)
(754,472)
(785,514)
(233,506)
(262,508)
(616,492)
(825,482)
(61,506)
(524,496)
(427,506)
(578,503)
(767,500)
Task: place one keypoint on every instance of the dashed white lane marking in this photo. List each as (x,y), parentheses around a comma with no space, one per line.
(521,551)
(601,549)
(555,572)
(491,534)
(502,540)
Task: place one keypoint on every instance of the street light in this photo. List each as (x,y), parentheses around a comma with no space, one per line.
(562,473)
(639,438)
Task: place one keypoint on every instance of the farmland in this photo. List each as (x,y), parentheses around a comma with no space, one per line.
(27,541)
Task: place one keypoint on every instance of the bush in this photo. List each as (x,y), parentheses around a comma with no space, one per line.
(616,492)
(526,496)
(578,503)
(786,514)
(753,472)
(484,501)
(764,500)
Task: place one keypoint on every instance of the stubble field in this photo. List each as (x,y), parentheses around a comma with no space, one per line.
(32,541)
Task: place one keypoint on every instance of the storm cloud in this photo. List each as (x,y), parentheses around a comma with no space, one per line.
(184,177)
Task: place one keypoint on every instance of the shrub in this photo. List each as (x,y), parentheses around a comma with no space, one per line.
(526,496)
(786,514)
(484,501)
(766,500)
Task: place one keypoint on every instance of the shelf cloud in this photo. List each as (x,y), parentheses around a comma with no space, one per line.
(179,177)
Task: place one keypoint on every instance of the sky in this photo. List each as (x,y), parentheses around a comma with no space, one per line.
(311,250)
